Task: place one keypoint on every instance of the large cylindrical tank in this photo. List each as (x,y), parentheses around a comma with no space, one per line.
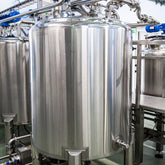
(153,72)
(14,80)
(80,86)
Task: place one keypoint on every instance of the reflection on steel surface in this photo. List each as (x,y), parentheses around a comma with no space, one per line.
(14,79)
(80,86)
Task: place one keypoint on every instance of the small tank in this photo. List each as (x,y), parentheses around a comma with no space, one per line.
(80,86)
(14,80)
(153,72)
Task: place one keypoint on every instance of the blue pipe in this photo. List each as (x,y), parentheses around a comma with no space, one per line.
(157,28)
(12,13)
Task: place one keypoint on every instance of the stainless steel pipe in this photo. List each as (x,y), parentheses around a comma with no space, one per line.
(33,11)
(7,156)
(134,5)
(17,138)
(138,78)
(45,8)
(17,5)
(151,57)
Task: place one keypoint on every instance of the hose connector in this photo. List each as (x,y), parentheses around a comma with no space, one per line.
(122,143)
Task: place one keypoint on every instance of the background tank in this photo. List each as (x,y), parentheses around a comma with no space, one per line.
(80,86)
(14,79)
(153,72)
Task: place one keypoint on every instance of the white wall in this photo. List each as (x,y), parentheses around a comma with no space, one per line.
(148,7)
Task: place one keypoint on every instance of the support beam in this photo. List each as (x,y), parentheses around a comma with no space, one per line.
(139,136)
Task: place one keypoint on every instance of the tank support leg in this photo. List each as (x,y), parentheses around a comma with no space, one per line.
(74,157)
(160,128)
(129,152)
(9,130)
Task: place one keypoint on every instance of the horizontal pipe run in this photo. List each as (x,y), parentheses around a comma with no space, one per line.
(149,57)
(33,11)
(17,138)
(46,8)
(82,2)
(7,156)
(27,22)
(147,42)
(135,25)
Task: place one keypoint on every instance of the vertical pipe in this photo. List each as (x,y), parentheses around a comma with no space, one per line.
(39,3)
(19,29)
(138,77)
(139,124)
